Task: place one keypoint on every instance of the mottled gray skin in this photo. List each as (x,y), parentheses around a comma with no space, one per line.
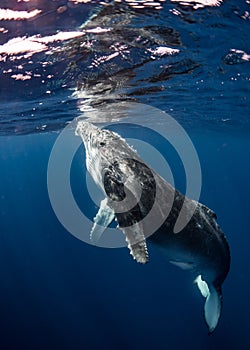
(200,246)
(201,243)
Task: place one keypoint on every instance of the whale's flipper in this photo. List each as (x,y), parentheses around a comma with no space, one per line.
(102,220)
(136,243)
(133,230)
(212,308)
(127,211)
(127,220)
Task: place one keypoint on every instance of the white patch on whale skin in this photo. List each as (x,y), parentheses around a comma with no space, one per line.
(183,265)
(102,220)
(212,307)
(202,285)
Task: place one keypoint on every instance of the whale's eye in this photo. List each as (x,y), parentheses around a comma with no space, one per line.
(102,143)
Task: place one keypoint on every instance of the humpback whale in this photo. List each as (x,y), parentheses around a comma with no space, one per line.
(133,193)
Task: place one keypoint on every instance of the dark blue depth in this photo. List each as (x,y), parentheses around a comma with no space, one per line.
(57,292)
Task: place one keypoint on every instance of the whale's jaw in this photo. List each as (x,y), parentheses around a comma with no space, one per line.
(200,246)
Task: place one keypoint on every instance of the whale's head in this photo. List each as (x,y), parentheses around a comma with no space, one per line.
(103,148)
(95,139)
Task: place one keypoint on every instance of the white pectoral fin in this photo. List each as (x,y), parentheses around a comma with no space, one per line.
(202,285)
(102,220)
(212,307)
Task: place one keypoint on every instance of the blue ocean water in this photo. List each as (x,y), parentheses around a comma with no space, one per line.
(57,292)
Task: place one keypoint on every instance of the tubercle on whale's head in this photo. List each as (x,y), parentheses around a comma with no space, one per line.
(92,135)
(85,130)
(107,143)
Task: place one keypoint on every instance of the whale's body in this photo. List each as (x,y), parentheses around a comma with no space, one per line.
(135,192)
